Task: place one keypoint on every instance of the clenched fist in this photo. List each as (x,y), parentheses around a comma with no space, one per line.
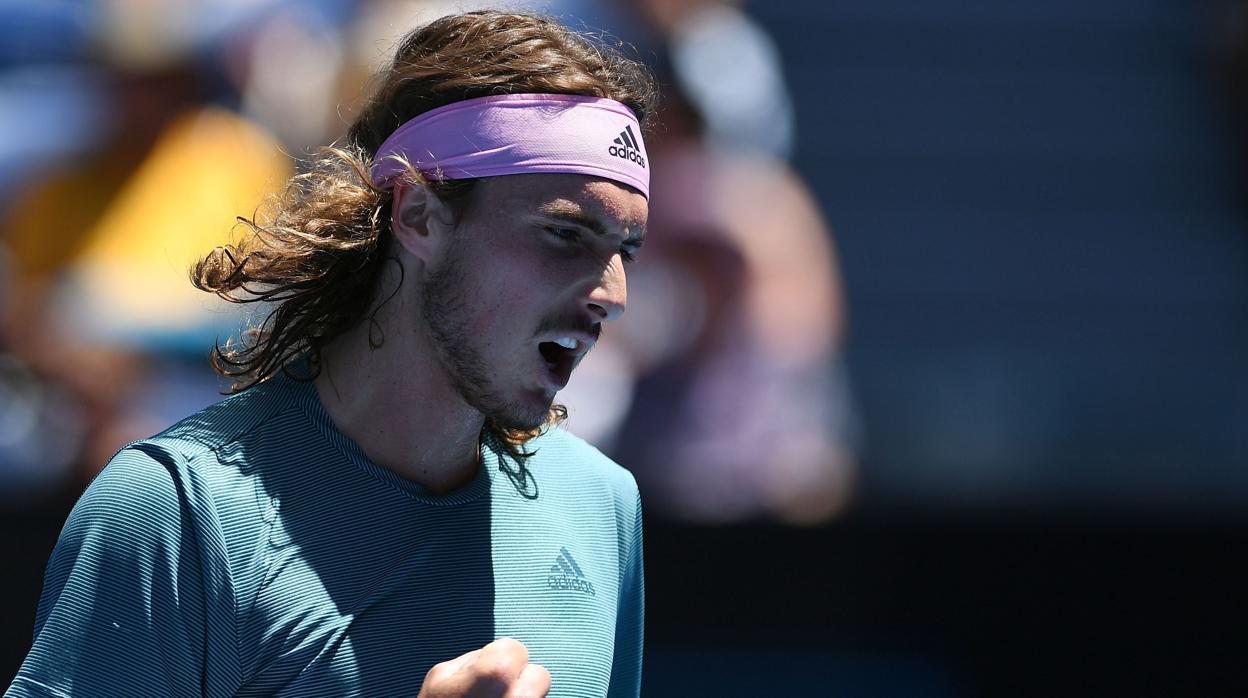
(501,669)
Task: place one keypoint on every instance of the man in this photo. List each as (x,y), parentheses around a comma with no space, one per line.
(382,509)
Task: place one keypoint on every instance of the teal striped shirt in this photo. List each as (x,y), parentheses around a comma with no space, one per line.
(253,550)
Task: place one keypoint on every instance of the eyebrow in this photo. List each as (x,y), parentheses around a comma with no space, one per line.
(573,214)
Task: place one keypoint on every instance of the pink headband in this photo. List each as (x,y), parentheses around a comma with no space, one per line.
(518,134)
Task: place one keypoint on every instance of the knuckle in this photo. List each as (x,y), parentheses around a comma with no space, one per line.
(511,650)
(534,682)
(437,672)
(500,670)
(510,645)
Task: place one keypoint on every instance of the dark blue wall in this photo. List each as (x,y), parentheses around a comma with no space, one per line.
(1039,212)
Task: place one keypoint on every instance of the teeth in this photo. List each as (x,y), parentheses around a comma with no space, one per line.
(566,342)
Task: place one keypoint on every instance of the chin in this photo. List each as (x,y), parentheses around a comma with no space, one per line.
(512,422)
(520,415)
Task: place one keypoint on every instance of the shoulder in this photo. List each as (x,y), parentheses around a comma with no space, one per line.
(137,491)
(224,422)
(135,515)
(572,457)
(175,477)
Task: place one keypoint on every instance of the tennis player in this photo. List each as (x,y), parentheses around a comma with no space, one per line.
(383,508)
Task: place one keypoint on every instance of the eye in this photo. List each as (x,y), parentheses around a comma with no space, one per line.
(628,253)
(569,234)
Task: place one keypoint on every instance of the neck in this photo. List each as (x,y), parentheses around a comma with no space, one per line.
(396,402)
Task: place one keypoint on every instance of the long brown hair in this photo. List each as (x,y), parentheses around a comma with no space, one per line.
(316,250)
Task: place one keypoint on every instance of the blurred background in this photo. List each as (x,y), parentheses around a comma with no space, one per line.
(935,375)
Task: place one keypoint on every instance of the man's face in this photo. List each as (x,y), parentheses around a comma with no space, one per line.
(531,271)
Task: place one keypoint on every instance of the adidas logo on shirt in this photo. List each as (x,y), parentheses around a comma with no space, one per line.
(566,574)
(626,147)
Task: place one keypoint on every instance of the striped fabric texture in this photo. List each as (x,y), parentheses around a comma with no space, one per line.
(253,550)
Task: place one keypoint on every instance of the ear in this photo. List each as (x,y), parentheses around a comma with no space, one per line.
(421,221)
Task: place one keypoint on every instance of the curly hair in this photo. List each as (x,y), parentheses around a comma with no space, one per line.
(316,250)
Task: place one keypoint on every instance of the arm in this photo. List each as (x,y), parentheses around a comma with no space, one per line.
(123,607)
(630,617)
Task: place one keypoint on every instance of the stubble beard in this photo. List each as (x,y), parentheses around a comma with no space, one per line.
(445,309)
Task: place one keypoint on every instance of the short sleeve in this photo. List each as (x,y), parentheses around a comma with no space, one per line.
(630,617)
(122,610)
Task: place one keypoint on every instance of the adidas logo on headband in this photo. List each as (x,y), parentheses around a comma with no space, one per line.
(626,147)
(479,137)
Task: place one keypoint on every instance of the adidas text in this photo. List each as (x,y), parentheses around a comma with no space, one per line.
(555,581)
(627,154)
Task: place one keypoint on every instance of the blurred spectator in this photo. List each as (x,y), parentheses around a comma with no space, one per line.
(101,325)
(722,388)
(728,66)
(41,425)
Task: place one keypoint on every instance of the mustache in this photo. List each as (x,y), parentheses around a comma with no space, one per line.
(578,324)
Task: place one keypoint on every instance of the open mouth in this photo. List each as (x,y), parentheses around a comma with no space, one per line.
(560,360)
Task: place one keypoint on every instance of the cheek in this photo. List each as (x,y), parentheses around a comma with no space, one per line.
(505,306)
(514,286)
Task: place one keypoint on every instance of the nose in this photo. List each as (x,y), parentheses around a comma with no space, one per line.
(609,295)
